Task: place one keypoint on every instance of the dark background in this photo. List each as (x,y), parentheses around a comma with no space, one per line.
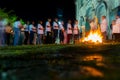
(40,9)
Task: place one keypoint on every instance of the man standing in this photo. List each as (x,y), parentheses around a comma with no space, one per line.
(8,33)
(76,31)
(26,26)
(61,33)
(69,32)
(2,32)
(16,27)
(40,32)
(118,28)
(48,31)
(32,30)
(55,29)
(103,27)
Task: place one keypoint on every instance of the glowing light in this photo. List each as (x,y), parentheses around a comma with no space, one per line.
(92,71)
(94,36)
(97,58)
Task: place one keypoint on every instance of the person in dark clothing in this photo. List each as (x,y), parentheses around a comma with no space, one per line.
(55,29)
(8,33)
(48,31)
(61,33)
(32,29)
(26,26)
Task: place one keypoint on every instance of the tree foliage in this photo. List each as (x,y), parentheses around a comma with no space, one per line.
(8,16)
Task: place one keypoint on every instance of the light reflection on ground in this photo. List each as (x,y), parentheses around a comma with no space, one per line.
(94,57)
(64,68)
(90,71)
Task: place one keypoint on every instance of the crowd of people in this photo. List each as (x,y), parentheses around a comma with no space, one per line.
(53,32)
(104,28)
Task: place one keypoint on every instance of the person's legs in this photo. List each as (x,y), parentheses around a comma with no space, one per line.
(104,36)
(38,39)
(26,37)
(31,37)
(8,38)
(69,38)
(16,37)
(41,38)
(55,34)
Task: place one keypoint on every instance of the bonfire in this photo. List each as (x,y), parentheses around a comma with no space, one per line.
(93,37)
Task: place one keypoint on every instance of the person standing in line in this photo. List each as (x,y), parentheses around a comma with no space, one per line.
(40,32)
(76,31)
(65,37)
(48,31)
(117,28)
(114,30)
(26,26)
(61,33)
(22,35)
(103,27)
(2,32)
(8,33)
(16,28)
(55,29)
(69,32)
(32,29)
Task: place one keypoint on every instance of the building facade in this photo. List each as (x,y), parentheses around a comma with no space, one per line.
(88,9)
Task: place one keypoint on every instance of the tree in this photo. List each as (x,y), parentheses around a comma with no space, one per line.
(8,16)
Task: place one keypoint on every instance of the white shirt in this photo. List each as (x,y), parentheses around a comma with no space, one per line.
(40,29)
(55,25)
(69,28)
(75,31)
(118,25)
(61,27)
(48,27)
(115,29)
(47,24)
(103,25)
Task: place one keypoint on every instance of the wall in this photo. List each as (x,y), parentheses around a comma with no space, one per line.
(88,9)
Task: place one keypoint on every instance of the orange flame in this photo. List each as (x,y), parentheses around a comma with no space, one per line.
(94,36)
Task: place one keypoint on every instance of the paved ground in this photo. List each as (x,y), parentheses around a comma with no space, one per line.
(89,63)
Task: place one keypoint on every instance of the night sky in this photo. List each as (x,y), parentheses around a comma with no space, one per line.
(39,9)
